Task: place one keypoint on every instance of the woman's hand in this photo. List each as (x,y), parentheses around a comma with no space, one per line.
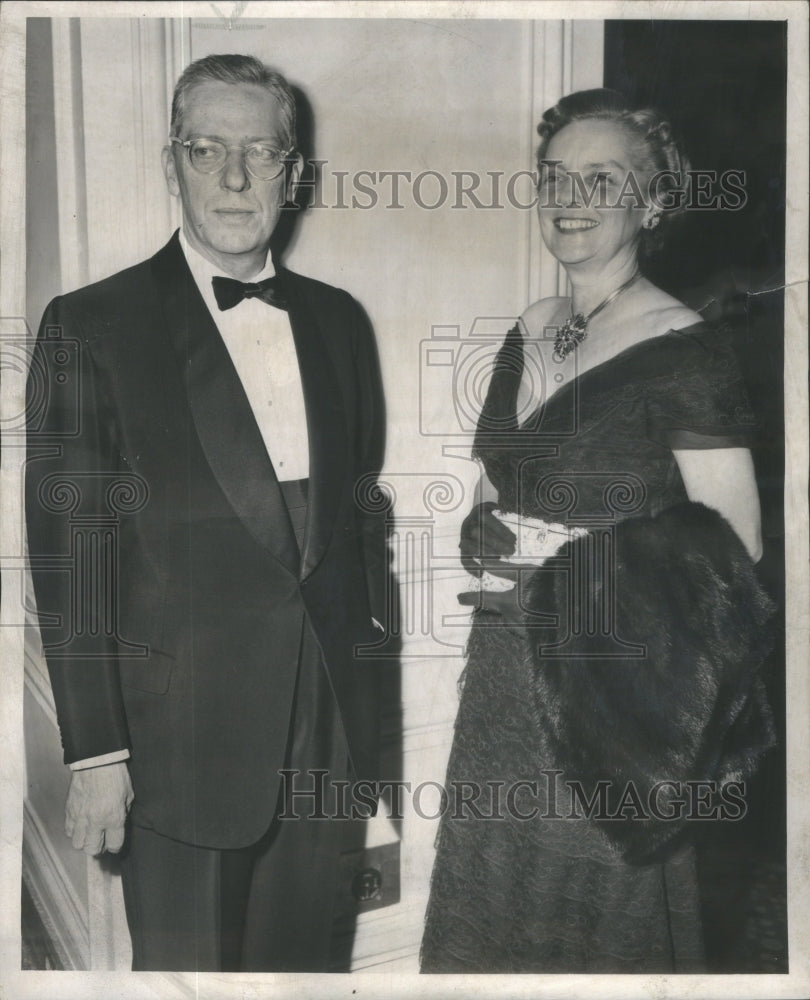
(505,603)
(484,540)
(501,552)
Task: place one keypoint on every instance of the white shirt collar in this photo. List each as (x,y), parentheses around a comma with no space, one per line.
(202,270)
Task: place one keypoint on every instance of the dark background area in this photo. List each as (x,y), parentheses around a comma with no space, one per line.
(723,87)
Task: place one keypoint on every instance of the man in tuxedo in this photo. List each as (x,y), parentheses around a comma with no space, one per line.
(205,568)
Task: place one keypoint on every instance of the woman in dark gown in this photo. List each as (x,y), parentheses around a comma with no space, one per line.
(611,698)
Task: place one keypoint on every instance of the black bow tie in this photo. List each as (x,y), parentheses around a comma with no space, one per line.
(229,292)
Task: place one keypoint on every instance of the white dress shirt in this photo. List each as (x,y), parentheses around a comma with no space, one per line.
(260,342)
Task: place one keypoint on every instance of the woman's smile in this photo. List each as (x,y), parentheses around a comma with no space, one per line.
(573,225)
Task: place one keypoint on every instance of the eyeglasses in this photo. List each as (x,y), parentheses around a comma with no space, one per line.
(208,156)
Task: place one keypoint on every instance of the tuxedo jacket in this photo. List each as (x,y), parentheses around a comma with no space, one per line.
(169,584)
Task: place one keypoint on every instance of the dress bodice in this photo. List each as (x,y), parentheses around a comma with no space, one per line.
(601,446)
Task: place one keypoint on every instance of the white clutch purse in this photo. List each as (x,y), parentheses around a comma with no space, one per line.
(536,541)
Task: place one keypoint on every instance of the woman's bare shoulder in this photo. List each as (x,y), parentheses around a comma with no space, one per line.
(664,312)
(543,313)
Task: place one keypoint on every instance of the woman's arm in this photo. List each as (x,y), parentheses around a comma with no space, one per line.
(723,478)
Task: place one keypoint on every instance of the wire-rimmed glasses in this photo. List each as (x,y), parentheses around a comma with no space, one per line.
(208,156)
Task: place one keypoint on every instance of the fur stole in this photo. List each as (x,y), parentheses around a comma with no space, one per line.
(692,707)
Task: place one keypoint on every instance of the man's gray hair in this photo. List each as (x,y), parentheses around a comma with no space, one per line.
(236,69)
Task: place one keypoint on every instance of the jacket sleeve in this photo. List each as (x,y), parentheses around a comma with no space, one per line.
(680,698)
(71,468)
(373,506)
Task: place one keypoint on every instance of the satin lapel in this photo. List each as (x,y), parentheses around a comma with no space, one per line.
(326,421)
(225,424)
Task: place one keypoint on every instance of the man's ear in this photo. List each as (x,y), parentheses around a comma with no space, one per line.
(170,170)
(294,176)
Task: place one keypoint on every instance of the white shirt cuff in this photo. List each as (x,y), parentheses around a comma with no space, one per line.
(100,761)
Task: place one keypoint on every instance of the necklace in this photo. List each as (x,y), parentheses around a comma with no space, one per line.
(575,329)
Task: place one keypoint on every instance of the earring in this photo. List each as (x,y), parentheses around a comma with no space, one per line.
(652,221)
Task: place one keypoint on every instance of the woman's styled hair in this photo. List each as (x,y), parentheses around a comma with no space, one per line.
(236,69)
(662,153)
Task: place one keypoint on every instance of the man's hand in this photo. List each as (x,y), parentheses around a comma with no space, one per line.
(96,808)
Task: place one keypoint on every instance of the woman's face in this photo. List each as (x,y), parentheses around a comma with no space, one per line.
(593,195)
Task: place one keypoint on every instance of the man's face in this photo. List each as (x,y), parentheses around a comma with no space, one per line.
(229,216)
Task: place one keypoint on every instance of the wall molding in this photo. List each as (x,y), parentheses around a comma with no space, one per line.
(36,674)
(386,936)
(70,163)
(60,908)
(566,56)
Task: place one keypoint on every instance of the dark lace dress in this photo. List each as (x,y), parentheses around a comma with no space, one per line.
(518,885)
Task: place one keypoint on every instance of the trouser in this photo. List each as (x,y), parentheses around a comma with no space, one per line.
(263,908)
